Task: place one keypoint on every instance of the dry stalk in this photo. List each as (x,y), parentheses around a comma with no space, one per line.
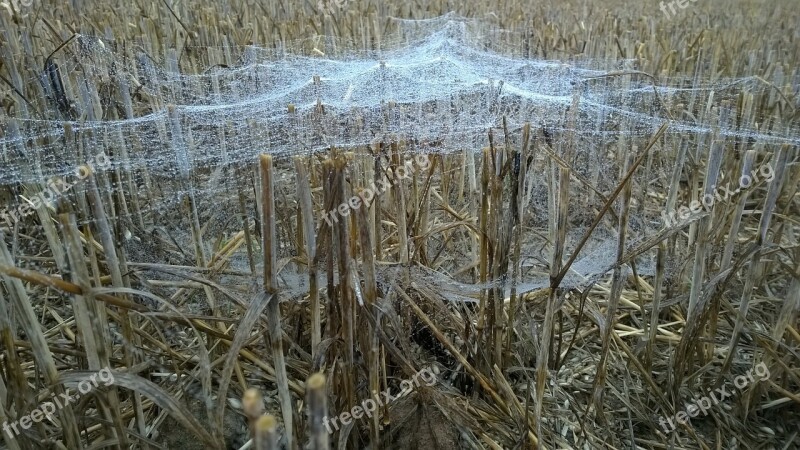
(253,408)
(270,249)
(309,233)
(316,397)
(266,434)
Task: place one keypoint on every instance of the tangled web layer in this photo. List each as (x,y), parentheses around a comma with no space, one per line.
(440,84)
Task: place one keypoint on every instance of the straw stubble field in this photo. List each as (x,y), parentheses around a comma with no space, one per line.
(247,272)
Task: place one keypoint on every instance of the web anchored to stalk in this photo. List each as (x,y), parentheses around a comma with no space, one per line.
(391,178)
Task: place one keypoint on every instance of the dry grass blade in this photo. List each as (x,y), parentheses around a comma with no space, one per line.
(156,394)
(243,334)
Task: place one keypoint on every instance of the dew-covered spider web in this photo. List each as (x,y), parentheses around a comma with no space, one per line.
(439,85)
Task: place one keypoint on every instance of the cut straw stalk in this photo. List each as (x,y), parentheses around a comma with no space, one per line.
(483,320)
(266,437)
(733,233)
(656,306)
(307,217)
(341,248)
(371,298)
(273,308)
(698,271)
(400,205)
(518,213)
(558,235)
(472,210)
(317,411)
(375,217)
(253,408)
(499,243)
